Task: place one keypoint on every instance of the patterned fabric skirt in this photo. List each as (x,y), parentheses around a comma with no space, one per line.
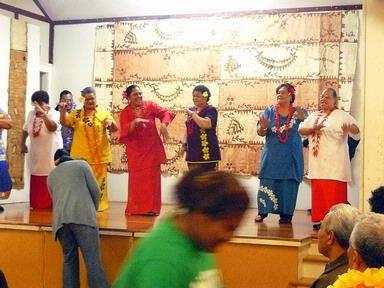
(277,196)
(39,197)
(5,180)
(144,191)
(100,172)
(325,194)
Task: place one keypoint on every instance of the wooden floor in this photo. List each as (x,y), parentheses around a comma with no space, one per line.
(114,219)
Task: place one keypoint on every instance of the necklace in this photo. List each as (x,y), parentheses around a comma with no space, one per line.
(37,124)
(94,138)
(282,136)
(316,136)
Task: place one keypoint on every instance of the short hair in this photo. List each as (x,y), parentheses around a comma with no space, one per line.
(367,239)
(333,91)
(61,155)
(217,194)
(130,88)
(87,90)
(341,220)
(64,93)
(202,89)
(289,86)
(40,96)
(377,200)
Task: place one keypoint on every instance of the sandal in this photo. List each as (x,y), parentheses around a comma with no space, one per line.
(260,218)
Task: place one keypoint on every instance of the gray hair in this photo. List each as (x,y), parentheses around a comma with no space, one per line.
(340,220)
(368,239)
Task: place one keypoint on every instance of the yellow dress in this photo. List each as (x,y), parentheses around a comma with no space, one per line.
(90,142)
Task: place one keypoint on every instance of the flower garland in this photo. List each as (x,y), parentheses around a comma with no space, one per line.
(282,136)
(94,139)
(370,278)
(316,135)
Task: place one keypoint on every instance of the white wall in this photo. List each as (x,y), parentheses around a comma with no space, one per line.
(33,74)
(73,70)
(44,27)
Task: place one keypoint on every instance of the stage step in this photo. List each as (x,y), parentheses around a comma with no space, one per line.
(313,265)
(303,282)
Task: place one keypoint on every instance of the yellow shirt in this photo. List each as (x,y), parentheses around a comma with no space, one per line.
(90,139)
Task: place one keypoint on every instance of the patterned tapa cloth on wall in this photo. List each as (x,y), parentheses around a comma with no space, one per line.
(16,100)
(240,58)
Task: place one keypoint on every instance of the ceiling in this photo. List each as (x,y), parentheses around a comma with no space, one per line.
(93,9)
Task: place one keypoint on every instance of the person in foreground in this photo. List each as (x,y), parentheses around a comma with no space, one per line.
(365,255)
(333,242)
(76,196)
(177,252)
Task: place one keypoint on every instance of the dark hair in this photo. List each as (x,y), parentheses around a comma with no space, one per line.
(215,193)
(202,89)
(87,90)
(40,96)
(289,86)
(59,153)
(64,93)
(377,200)
(130,89)
(334,93)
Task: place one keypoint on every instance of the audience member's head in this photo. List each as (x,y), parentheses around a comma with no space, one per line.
(213,204)
(377,200)
(336,229)
(61,155)
(366,248)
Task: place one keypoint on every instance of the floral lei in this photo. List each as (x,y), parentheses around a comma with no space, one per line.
(282,136)
(370,278)
(37,124)
(316,136)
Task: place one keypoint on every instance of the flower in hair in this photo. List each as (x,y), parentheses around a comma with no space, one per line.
(205,94)
(124,94)
(291,90)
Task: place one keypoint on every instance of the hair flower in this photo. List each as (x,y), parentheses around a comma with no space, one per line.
(291,90)
(205,94)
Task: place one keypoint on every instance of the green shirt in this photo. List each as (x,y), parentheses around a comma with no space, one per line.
(167,258)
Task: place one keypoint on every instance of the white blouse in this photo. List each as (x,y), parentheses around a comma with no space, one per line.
(332,161)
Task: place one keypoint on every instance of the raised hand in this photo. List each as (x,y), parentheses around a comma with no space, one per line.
(164,132)
(299,113)
(63,106)
(263,121)
(108,123)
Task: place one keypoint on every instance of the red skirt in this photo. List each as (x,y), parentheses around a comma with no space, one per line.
(38,195)
(325,194)
(144,191)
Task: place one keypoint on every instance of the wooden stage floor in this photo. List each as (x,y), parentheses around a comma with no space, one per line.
(114,220)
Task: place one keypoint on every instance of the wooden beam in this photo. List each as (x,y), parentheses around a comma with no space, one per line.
(240,13)
(23,12)
(37,2)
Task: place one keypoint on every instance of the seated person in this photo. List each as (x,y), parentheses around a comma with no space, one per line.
(365,254)
(333,242)
(377,200)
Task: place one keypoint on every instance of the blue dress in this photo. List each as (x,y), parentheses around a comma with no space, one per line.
(5,179)
(282,168)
